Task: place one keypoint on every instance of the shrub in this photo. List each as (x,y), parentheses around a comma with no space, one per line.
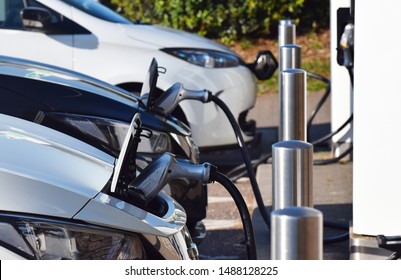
(227,20)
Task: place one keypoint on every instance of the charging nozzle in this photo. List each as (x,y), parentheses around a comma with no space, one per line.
(161,171)
(392,243)
(175,94)
(347,45)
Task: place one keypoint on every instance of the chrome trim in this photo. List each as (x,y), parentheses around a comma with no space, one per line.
(124,149)
(188,146)
(174,247)
(193,252)
(106,210)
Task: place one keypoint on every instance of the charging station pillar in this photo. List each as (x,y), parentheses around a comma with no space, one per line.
(377,103)
(341,97)
(297,234)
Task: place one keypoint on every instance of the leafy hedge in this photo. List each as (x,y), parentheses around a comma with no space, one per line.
(225,19)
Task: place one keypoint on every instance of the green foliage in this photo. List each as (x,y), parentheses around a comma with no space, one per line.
(315,15)
(227,20)
(237,20)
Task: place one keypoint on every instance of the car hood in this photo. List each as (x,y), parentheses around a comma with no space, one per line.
(45,172)
(165,37)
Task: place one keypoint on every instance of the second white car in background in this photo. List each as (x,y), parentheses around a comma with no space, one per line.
(87,37)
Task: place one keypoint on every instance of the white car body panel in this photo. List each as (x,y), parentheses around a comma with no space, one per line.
(46,172)
(121,53)
(6,254)
(103,210)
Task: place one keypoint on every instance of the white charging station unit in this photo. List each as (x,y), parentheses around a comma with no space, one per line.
(376,104)
(341,91)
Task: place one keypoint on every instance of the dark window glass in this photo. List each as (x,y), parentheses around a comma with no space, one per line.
(10,14)
(59,23)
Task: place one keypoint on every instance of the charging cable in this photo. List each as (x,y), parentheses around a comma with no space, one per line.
(147,185)
(166,103)
(252,177)
(244,213)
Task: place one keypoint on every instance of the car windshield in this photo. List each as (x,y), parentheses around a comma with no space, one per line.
(98,10)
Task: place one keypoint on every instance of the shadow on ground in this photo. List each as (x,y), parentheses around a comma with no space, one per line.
(223,245)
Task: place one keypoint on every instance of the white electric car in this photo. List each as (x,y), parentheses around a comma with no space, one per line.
(87,37)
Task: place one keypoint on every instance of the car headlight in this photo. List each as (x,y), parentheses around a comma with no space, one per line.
(105,134)
(205,58)
(47,239)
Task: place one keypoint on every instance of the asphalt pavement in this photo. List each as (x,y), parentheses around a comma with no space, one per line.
(332,194)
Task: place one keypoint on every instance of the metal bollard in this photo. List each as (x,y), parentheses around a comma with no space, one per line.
(292,170)
(289,53)
(286,32)
(292,105)
(297,234)
(290,57)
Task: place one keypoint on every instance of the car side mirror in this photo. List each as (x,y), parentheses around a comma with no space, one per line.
(264,66)
(36,18)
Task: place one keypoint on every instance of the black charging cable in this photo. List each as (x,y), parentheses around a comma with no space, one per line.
(320,103)
(252,177)
(243,211)
(245,155)
(338,130)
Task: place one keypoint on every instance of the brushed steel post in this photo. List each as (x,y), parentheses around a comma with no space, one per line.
(286,32)
(297,234)
(290,57)
(292,124)
(292,171)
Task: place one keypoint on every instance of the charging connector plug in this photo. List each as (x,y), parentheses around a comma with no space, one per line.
(161,171)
